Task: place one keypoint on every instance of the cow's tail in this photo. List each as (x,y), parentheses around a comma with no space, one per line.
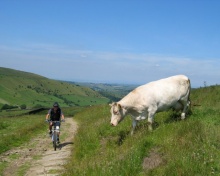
(189,101)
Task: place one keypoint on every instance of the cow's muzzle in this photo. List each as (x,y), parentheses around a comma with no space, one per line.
(112,124)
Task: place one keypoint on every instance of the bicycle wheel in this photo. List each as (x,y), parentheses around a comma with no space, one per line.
(55,140)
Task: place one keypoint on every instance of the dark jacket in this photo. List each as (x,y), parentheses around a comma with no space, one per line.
(55,116)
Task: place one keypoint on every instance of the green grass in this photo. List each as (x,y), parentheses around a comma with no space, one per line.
(3,165)
(19,88)
(189,147)
(14,112)
(22,170)
(15,131)
(86,100)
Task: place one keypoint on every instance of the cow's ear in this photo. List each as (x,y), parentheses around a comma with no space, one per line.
(119,106)
(112,104)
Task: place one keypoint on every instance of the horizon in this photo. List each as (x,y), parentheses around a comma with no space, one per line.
(113,41)
(109,83)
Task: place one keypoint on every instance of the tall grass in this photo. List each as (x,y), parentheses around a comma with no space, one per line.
(15,131)
(189,147)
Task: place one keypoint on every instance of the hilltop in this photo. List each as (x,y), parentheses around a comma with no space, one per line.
(19,87)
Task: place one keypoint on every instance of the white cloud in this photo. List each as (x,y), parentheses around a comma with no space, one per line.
(58,62)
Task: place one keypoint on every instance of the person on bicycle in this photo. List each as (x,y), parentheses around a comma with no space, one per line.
(54,114)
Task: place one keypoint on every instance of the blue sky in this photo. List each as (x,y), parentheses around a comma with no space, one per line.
(112,41)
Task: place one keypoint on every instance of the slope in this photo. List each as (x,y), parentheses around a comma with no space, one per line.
(18,87)
(174,147)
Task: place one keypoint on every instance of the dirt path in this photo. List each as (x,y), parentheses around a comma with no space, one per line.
(38,158)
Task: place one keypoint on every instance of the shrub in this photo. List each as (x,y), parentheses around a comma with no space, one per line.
(6,106)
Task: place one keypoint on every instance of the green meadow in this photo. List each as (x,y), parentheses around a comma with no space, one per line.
(175,147)
(188,147)
(18,87)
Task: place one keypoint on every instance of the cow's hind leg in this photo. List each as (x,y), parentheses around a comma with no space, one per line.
(185,101)
(185,107)
(134,124)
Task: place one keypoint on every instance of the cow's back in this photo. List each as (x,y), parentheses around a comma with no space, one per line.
(162,93)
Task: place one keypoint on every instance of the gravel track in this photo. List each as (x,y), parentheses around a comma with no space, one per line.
(37,157)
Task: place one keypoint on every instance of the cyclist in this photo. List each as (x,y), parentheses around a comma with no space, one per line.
(54,114)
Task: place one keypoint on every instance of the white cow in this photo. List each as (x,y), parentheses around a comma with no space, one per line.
(146,100)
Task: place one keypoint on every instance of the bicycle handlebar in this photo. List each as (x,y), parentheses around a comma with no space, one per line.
(55,121)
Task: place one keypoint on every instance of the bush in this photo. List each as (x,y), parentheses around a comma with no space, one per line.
(6,106)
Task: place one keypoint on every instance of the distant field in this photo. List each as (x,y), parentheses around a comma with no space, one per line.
(112,91)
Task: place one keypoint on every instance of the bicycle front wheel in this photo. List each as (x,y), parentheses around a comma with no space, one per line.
(55,140)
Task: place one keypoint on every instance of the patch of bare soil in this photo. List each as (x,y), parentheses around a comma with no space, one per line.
(38,158)
(153,160)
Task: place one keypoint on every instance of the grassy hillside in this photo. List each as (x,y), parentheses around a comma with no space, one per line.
(113,91)
(174,147)
(19,88)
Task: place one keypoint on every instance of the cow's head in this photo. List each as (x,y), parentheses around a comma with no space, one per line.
(117,113)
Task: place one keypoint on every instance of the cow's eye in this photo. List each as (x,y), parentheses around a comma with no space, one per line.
(116,112)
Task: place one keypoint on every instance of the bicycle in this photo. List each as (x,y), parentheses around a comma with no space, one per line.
(55,132)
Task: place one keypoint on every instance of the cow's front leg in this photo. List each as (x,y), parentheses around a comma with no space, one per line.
(150,121)
(134,124)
